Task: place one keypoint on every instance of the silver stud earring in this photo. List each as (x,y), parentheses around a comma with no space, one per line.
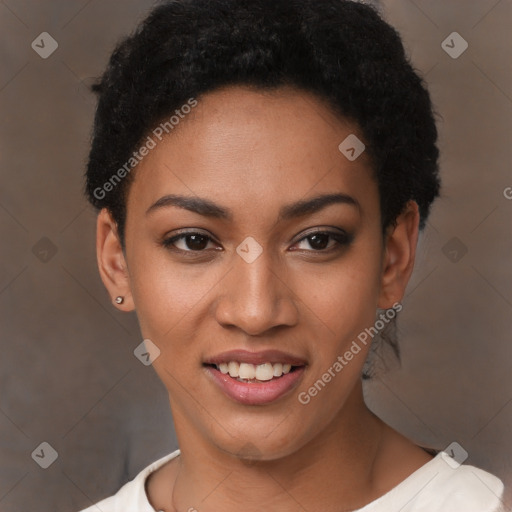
(119,300)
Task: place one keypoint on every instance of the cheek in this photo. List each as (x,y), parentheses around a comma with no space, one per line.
(345,295)
(168,305)
(346,303)
(171,300)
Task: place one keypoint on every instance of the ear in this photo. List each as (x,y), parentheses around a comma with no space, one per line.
(111,261)
(399,253)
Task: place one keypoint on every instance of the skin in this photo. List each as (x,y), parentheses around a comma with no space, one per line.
(254,152)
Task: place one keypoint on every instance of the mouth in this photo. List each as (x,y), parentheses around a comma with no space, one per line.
(252,378)
(253,374)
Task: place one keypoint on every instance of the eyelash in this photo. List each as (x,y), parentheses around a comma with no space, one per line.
(342,240)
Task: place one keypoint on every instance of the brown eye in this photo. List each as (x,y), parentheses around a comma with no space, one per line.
(188,242)
(318,242)
(324,241)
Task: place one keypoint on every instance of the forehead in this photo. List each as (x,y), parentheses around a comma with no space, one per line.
(241,145)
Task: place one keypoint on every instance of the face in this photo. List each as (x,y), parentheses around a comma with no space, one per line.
(254,245)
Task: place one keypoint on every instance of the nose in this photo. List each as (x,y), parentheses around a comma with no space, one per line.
(255,297)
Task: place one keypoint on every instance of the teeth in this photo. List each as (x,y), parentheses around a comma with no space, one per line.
(278,370)
(264,372)
(247,371)
(233,368)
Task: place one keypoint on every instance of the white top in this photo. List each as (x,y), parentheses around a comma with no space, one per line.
(441,485)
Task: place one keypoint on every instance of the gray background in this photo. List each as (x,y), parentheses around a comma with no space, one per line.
(68,375)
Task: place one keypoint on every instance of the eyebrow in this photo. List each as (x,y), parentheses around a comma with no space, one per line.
(208,208)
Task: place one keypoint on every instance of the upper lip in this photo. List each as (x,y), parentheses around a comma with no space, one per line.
(264,356)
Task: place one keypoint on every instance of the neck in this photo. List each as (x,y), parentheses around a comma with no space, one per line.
(336,467)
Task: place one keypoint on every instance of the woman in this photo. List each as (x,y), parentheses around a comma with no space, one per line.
(261,171)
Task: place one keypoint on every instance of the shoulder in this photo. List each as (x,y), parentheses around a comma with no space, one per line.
(132,496)
(443,485)
(463,487)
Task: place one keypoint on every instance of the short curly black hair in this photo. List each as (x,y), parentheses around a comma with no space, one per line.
(341,51)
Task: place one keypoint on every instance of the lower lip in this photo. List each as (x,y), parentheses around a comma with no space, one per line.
(256,393)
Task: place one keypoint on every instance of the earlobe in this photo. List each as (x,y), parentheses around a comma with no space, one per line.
(399,254)
(111,262)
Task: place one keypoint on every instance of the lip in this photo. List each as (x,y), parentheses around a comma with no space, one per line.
(264,356)
(257,393)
